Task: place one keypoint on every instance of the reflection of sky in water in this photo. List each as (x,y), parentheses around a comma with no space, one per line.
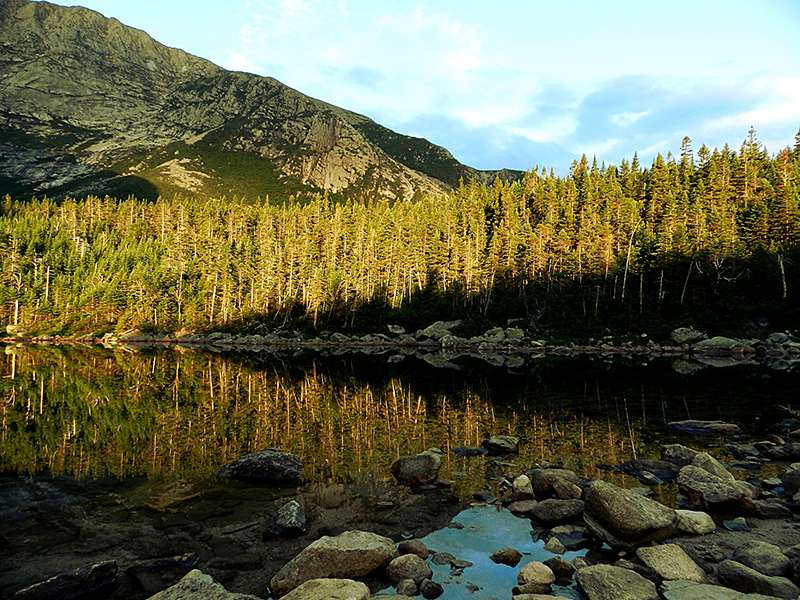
(486,530)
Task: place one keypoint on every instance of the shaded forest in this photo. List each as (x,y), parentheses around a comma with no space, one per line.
(710,239)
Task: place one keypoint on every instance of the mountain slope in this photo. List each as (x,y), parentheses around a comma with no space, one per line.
(88,105)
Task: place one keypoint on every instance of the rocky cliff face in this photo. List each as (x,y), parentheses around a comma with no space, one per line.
(89,105)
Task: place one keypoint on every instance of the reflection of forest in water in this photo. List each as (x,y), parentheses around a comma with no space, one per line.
(89,411)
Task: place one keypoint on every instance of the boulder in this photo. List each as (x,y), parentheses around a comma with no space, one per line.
(706,489)
(535,572)
(420,468)
(267,466)
(196,585)
(543,480)
(742,578)
(329,589)
(554,511)
(671,562)
(694,522)
(408,566)
(439,329)
(349,554)
(606,582)
(764,558)
(430,589)
(86,581)
(625,519)
(560,567)
(413,547)
(683,335)
(678,454)
(290,520)
(791,479)
(522,507)
(522,486)
(501,444)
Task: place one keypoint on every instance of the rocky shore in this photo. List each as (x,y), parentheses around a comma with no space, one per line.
(724,536)
(438,345)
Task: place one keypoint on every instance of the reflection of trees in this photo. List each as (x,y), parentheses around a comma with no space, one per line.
(89,411)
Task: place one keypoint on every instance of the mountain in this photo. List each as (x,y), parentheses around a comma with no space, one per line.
(91,106)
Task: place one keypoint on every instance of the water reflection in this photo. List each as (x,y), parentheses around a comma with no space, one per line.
(169,414)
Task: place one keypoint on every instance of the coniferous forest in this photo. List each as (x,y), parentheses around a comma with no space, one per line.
(708,238)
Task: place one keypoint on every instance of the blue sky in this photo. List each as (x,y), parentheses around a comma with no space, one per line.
(515,84)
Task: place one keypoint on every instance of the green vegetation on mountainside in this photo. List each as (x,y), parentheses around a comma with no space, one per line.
(712,242)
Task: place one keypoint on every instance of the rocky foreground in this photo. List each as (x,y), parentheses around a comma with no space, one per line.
(730,539)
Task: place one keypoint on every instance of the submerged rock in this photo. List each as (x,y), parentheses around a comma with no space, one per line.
(269,466)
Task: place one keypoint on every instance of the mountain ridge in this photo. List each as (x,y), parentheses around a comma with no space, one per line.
(87,104)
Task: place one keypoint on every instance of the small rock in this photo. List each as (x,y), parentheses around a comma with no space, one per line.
(560,567)
(408,566)
(443,558)
(290,520)
(420,468)
(606,582)
(413,547)
(507,556)
(737,524)
(671,562)
(197,584)
(554,546)
(695,522)
(407,587)
(430,589)
(327,589)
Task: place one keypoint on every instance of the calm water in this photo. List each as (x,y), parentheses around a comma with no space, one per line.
(141,435)
(178,413)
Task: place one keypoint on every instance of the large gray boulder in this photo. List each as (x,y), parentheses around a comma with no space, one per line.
(624,519)
(764,558)
(350,554)
(418,469)
(742,578)
(329,589)
(606,582)
(268,466)
(196,585)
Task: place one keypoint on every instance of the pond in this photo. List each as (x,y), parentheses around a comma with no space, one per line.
(142,433)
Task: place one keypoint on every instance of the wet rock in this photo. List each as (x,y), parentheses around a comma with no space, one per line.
(443,558)
(606,582)
(408,566)
(572,537)
(83,582)
(522,507)
(742,578)
(554,546)
(707,427)
(420,468)
(693,522)
(290,520)
(560,567)
(407,587)
(329,589)
(413,547)
(507,556)
(270,465)
(501,444)
(349,554)
(430,589)
(554,511)
(764,558)
(662,469)
(671,562)
(625,519)
(468,451)
(199,586)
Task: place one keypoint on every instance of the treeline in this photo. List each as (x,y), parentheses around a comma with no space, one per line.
(710,240)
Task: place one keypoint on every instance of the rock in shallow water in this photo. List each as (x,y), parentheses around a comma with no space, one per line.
(268,466)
